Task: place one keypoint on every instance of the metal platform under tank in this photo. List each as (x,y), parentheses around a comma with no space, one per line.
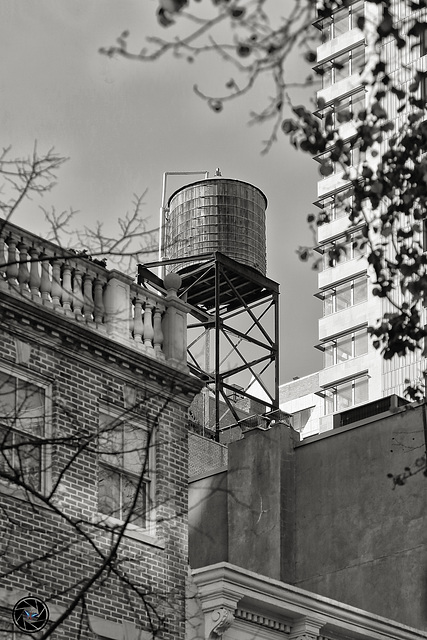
(239,286)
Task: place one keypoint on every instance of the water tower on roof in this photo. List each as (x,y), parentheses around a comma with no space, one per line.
(218,214)
(213,235)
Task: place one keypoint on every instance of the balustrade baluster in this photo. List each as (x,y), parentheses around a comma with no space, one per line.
(131,321)
(35,279)
(45,282)
(88,303)
(12,268)
(108,301)
(148,327)
(158,333)
(56,290)
(99,303)
(23,271)
(67,290)
(3,262)
(138,325)
(78,293)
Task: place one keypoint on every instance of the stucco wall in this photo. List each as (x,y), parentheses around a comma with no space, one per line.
(246,515)
(358,540)
(261,502)
(207,520)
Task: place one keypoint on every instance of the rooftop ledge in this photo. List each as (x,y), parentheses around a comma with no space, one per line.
(225,587)
(91,296)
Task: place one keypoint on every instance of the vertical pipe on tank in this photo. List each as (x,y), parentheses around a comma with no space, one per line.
(217,345)
(276,349)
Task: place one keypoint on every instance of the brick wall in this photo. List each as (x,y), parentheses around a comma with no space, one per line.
(205,455)
(51,550)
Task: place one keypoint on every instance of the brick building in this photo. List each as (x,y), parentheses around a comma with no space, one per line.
(93,439)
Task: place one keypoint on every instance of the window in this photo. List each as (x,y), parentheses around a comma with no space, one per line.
(345,395)
(300,418)
(423,89)
(335,160)
(338,205)
(342,250)
(345,347)
(342,66)
(423,42)
(342,21)
(22,428)
(343,298)
(124,454)
(345,295)
(342,110)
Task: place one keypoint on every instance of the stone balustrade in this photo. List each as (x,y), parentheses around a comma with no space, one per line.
(103,300)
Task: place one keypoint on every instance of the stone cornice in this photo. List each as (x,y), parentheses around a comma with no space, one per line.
(316,612)
(84,343)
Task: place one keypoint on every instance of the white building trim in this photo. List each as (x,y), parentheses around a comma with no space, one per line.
(235,599)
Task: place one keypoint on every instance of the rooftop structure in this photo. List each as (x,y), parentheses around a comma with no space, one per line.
(214,237)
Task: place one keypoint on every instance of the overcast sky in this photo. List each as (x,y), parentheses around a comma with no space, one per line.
(123,124)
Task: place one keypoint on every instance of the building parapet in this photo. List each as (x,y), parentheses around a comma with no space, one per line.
(93,297)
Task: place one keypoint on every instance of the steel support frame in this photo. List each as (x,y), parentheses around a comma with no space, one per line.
(219,288)
(224,269)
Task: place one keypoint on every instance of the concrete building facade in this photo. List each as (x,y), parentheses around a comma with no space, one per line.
(353,371)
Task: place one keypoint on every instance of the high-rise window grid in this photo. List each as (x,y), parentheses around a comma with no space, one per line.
(327,159)
(300,418)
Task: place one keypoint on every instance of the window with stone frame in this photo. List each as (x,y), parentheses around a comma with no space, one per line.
(22,430)
(125,456)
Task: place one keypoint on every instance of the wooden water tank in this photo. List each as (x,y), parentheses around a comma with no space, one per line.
(217,214)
